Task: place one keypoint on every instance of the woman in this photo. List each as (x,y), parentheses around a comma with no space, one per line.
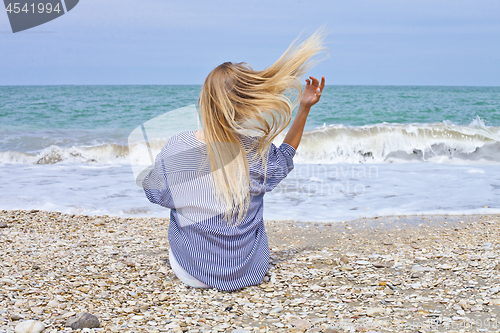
(214,179)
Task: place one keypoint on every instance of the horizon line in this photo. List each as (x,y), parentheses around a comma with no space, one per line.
(200,84)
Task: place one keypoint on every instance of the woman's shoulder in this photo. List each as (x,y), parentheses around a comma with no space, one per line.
(182,134)
(184,137)
(182,143)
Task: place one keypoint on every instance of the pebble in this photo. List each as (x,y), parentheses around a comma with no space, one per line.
(68,314)
(371,312)
(29,326)
(83,320)
(494,290)
(315,287)
(388,291)
(276,310)
(495,301)
(4,225)
(53,304)
(16,316)
(419,268)
(381,265)
(301,324)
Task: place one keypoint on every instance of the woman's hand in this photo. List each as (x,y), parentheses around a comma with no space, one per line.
(310,96)
(312,91)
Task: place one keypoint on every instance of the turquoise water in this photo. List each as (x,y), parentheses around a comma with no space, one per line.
(89,107)
(360,105)
(125,107)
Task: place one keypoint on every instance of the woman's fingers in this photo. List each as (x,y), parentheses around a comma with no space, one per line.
(316,84)
(315,81)
(322,85)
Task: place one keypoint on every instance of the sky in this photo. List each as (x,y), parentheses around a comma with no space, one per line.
(370,42)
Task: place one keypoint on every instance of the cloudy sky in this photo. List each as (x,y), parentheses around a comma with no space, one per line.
(371,42)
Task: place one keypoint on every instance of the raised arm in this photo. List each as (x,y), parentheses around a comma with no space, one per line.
(310,96)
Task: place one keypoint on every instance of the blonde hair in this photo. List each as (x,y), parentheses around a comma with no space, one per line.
(236,100)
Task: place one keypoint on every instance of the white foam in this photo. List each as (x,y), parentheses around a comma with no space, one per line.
(349,191)
(338,193)
(476,171)
(444,143)
(401,143)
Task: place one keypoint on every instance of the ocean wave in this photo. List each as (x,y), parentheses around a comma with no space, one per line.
(102,154)
(401,143)
(381,143)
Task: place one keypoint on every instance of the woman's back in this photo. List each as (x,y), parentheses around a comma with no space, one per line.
(221,255)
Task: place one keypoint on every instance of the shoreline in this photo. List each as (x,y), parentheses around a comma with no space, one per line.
(398,273)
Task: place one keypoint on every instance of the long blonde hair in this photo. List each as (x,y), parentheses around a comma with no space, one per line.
(235,99)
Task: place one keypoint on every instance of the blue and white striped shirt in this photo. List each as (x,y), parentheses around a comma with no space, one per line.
(222,256)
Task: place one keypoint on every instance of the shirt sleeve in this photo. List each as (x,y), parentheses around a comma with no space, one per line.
(155,184)
(279,165)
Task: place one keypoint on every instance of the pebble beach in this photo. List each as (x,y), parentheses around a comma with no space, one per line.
(393,274)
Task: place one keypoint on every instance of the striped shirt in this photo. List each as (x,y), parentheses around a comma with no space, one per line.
(222,256)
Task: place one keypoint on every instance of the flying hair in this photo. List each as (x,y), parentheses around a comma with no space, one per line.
(236,100)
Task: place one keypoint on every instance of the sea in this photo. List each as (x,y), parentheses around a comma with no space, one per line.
(367,151)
